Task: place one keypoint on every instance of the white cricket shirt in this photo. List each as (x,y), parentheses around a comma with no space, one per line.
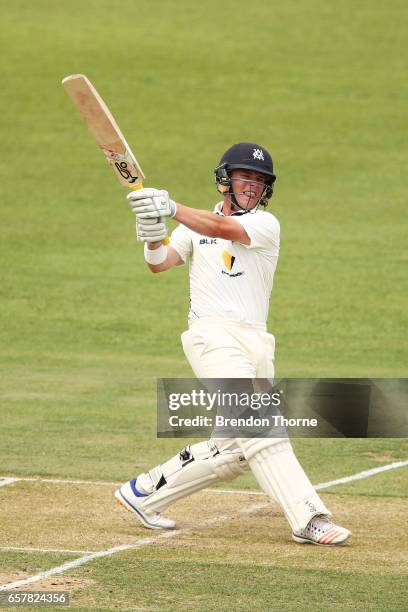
(230,280)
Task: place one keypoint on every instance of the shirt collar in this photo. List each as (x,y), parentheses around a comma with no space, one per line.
(218,211)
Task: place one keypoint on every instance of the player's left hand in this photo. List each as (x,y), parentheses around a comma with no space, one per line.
(150,230)
(151,203)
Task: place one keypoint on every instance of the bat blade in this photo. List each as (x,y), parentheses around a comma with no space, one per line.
(105,130)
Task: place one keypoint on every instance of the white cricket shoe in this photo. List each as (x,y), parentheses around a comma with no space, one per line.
(130,498)
(320,530)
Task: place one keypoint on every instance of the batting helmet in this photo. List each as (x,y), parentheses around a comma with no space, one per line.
(246,156)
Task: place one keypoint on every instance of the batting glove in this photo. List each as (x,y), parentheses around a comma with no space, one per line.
(151,203)
(150,230)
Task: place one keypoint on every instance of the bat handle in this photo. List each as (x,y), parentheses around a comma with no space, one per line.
(165,240)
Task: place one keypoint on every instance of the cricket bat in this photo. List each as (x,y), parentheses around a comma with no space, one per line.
(105,130)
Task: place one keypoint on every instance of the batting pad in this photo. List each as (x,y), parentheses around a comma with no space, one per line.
(279,473)
(194,468)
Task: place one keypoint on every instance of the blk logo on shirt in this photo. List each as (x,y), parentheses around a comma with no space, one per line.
(208,241)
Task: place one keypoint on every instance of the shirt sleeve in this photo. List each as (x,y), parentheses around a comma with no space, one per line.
(181,241)
(263,230)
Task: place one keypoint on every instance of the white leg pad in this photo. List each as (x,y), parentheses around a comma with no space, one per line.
(279,473)
(194,468)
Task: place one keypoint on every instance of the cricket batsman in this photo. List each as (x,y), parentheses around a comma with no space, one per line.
(233,253)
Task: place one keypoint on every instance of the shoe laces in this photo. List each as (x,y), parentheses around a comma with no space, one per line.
(319,523)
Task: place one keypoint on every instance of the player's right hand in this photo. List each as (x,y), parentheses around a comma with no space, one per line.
(150,230)
(150,203)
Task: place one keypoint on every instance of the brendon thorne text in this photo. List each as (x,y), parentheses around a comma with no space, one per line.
(295,407)
(250,421)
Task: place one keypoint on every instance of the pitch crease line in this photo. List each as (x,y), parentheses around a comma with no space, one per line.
(57,481)
(323,485)
(328,484)
(361,475)
(44,550)
(60,569)
(148,541)
(7,481)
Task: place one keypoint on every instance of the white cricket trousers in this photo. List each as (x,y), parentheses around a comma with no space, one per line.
(228,349)
(218,348)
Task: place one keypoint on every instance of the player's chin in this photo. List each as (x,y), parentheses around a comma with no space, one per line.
(247,203)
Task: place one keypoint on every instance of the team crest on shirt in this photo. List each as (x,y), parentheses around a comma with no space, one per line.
(229,261)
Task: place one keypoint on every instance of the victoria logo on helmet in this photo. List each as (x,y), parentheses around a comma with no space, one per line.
(245,156)
(258,154)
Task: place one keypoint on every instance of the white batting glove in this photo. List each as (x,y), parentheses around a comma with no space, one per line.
(151,203)
(150,230)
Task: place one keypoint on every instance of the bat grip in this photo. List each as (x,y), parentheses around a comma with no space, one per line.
(165,240)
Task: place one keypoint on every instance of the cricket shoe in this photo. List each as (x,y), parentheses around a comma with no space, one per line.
(130,498)
(320,530)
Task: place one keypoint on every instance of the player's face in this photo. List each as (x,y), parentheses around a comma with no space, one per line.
(248,186)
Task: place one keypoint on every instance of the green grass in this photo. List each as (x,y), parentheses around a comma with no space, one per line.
(85,328)
(252,586)
(19,562)
(321,90)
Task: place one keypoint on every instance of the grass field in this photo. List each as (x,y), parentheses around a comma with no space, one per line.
(86,329)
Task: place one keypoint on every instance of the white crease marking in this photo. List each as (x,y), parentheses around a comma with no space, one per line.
(324,485)
(361,475)
(7,481)
(45,550)
(60,569)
